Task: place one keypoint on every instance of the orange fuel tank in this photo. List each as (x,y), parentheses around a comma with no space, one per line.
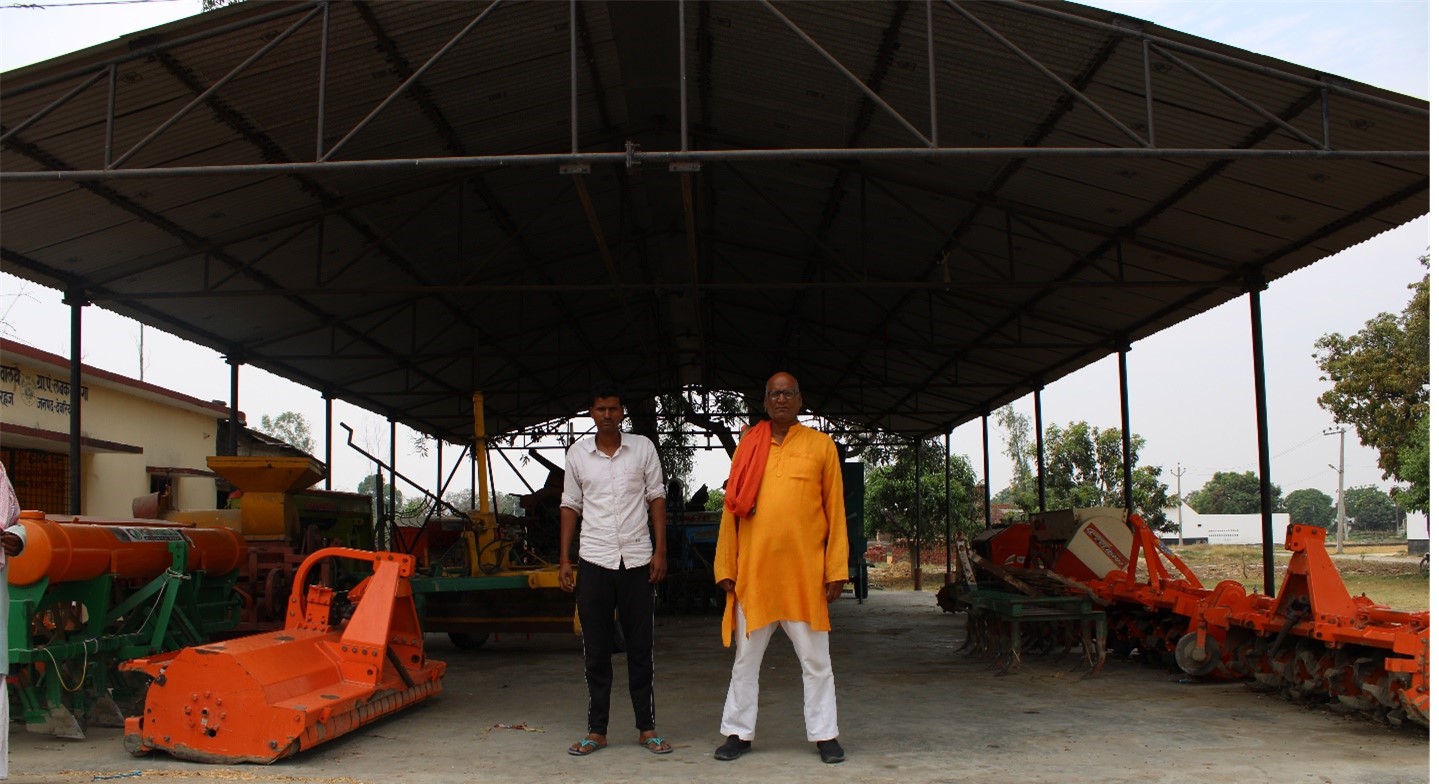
(73,551)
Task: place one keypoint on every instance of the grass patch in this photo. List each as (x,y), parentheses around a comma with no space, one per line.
(1409,592)
(1383,572)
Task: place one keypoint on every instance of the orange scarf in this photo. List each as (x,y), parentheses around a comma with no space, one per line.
(747,469)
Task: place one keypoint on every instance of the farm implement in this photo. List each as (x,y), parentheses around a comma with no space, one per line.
(343,660)
(87,594)
(1313,641)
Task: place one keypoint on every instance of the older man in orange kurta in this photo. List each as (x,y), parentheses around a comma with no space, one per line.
(782,557)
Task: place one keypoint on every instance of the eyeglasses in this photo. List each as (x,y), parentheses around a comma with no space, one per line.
(783,394)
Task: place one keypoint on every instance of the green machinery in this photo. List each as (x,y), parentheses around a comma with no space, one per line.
(85,596)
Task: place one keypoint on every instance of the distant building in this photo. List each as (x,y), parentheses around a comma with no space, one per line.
(1417,527)
(136,438)
(1196,528)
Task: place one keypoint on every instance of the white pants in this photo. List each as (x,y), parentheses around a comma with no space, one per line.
(4,723)
(4,670)
(741,707)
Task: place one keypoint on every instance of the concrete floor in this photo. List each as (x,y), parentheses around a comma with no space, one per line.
(911,710)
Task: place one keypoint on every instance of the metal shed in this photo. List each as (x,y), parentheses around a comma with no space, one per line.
(924,210)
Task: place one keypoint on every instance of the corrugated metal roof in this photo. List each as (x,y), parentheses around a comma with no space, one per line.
(909,293)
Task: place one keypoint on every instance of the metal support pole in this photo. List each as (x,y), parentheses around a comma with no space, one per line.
(684,87)
(324,78)
(984,434)
(391,515)
(112,79)
(574,84)
(75,298)
(914,548)
(439,470)
(1324,113)
(1124,426)
(933,90)
(1261,414)
(1039,446)
(948,517)
(635,157)
(234,436)
(1148,93)
(329,442)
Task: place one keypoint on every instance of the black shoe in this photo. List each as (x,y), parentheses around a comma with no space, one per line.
(733,747)
(829,751)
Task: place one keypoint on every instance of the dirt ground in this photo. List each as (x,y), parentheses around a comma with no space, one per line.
(911,710)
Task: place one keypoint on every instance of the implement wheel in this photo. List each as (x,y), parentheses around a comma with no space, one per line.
(1192,659)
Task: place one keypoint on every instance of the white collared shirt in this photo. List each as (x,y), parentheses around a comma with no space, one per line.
(613,495)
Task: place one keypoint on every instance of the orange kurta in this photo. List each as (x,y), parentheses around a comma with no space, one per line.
(781,558)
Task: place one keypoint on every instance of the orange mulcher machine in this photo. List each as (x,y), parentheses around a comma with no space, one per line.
(343,660)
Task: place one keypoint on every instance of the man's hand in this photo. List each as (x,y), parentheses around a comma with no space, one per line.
(12,543)
(658,567)
(833,590)
(726,585)
(567,577)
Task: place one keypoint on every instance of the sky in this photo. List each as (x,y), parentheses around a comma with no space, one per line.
(1191,386)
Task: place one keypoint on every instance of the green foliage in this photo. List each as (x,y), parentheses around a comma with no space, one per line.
(1381,376)
(712,411)
(291,428)
(1230,492)
(676,459)
(367,487)
(1414,469)
(1084,467)
(1019,447)
(889,496)
(1370,509)
(460,500)
(715,503)
(1311,507)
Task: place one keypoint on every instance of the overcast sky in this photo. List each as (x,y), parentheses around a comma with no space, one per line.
(1191,387)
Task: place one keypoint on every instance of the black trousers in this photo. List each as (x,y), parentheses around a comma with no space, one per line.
(600,595)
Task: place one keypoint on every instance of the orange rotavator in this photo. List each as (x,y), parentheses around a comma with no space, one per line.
(1313,641)
(342,661)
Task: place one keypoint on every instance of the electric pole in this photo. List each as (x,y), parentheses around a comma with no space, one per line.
(1179,484)
(1342,521)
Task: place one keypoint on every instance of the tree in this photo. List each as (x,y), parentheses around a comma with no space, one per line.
(1019,446)
(1370,509)
(1381,376)
(1414,469)
(1311,507)
(715,413)
(460,500)
(677,460)
(367,487)
(1084,467)
(715,502)
(1230,492)
(291,428)
(889,496)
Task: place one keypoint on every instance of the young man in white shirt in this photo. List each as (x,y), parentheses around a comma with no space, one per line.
(614,480)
